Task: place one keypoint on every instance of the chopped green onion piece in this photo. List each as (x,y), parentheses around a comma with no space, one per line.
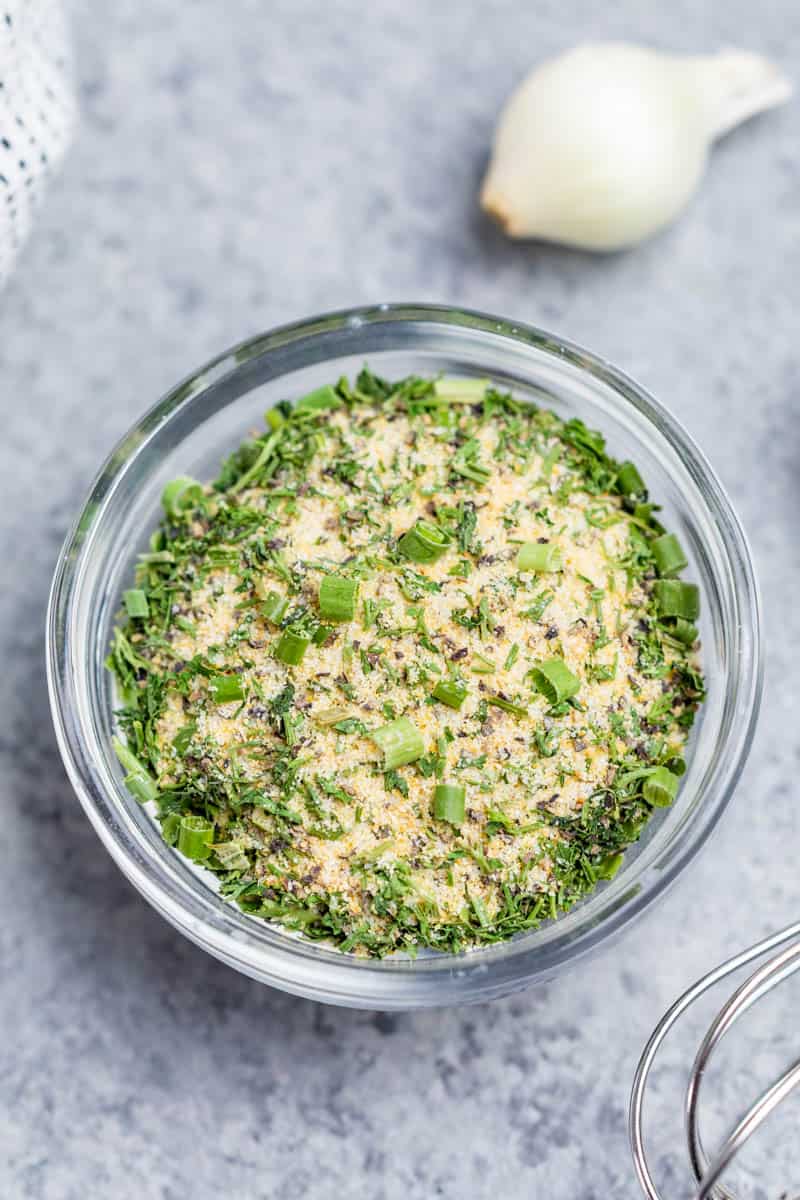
(481,911)
(423,542)
(451,387)
(539,557)
(350,725)
(225,688)
(448,692)
(232,855)
(138,779)
(683,631)
(677,599)
(329,716)
(644,513)
(337,598)
(555,681)
(135,602)
(291,647)
(660,788)
(375,852)
(449,803)
(482,665)
(127,758)
(142,786)
(608,866)
(274,418)
(292,723)
(669,555)
(170,826)
(400,741)
(466,463)
(630,483)
(183,737)
(195,837)
(180,494)
(274,607)
(511,657)
(321,634)
(319,400)
(518,710)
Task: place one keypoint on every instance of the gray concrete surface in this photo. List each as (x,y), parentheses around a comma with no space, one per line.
(236,166)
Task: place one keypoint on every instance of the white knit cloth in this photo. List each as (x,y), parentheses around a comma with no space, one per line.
(37,113)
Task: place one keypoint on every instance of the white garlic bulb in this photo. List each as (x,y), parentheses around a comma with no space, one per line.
(605,144)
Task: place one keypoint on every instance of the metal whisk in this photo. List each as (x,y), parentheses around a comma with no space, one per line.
(708,1171)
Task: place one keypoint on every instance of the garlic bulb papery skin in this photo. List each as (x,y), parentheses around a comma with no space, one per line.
(604,145)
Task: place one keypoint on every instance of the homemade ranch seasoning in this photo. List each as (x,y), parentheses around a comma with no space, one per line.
(413,671)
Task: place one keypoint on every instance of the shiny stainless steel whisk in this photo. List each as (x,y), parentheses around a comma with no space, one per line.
(708,1171)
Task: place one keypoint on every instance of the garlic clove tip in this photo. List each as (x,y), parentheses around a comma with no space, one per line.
(493,203)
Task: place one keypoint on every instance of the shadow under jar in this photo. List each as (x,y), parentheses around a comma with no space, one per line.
(193,428)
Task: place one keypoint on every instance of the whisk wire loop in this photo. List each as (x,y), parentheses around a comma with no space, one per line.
(759,984)
(767,977)
(755,1116)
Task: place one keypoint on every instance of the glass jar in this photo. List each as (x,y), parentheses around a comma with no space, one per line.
(202,420)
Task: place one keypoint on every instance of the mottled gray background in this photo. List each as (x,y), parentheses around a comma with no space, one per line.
(242,164)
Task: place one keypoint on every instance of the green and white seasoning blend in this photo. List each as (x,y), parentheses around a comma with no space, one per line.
(413,671)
